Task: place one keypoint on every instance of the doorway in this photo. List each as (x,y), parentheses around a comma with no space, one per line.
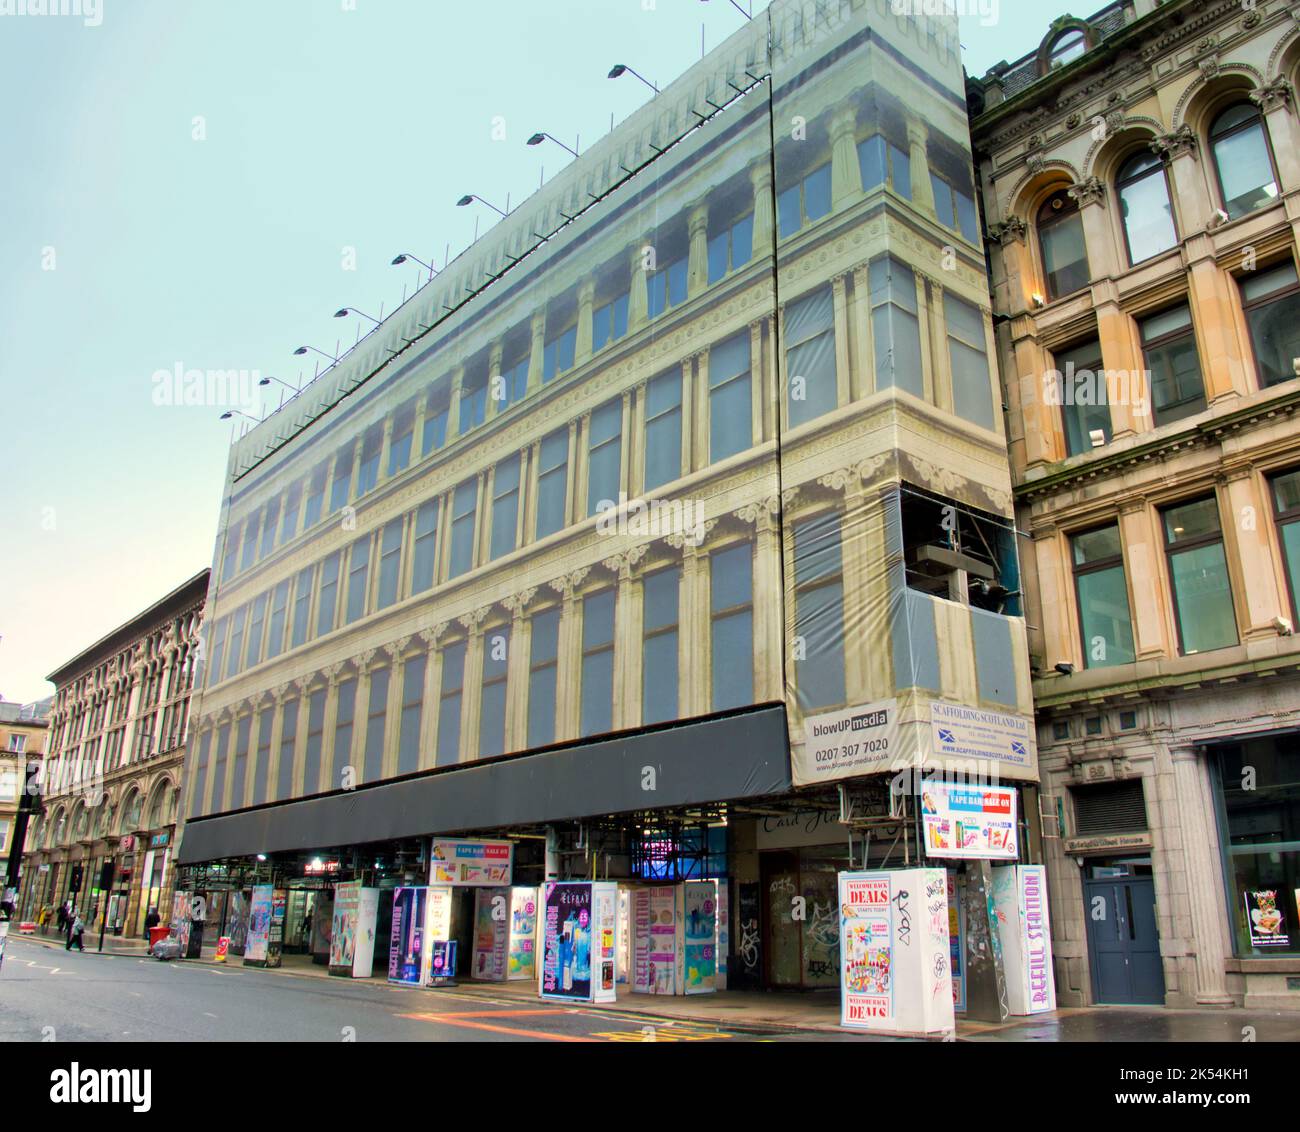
(1123,938)
(801,945)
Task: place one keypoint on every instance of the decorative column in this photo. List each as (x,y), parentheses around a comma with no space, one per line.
(453,410)
(690,422)
(1213,305)
(1208,935)
(629,621)
(694,633)
(1058,635)
(700,433)
(354,488)
(760,175)
(927,337)
(521,635)
(1189,193)
(571,477)
(471,698)
(388,761)
(840,315)
(1090,195)
(482,525)
(626,443)
(862,378)
(568,676)
(1275,103)
(417,427)
(386,448)
(536,350)
(636,442)
(304,688)
(360,723)
(1014,285)
(586,307)
(496,387)
(1248,515)
(697,259)
(1143,551)
(919,161)
(638,303)
(768,629)
(432,698)
(846,173)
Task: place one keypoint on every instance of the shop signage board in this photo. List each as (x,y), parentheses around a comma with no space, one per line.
(854,741)
(521,958)
(959,733)
(458,862)
(894,951)
(579,936)
(352,931)
(259,926)
(1265,919)
(1020,902)
(491,934)
(969,821)
(410,943)
(799,830)
(701,936)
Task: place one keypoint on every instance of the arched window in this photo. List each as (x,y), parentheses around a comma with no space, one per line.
(1067,48)
(1144,206)
(60,827)
(1060,237)
(131,812)
(158,815)
(81,826)
(1243,160)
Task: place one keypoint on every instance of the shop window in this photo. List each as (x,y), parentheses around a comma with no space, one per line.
(881,162)
(659,645)
(1147,215)
(558,354)
(1259,830)
(327,603)
(399,444)
(449,703)
(895,328)
(1110,807)
(424,548)
(256,620)
(1066,48)
(819,612)
(270,518)
(390,561)
(372,443)
(408,739)
(810,357)
(358,579)
(663,429)
(262,755)
(804,202)
(956,552)
(972,390)
(288,743)
(243,730)
(376,717)
(1243,160)
(463,506)
(1060,239)
(955,209)
(1083,394)
(731,427)
(341,484)
(1271,301)
(492,694)
(302,606)
(315,496)
(505,506)
(437,411)
(731,596)
(289,516)
(609,321)
(542,669)
(597,714)
(552,482)
(1169,352)
(1198,573)
(731,248)
(1286,502)
(275,627)
(1102,593)
(604,455)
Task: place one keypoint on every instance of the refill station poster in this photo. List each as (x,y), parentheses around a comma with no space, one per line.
(491,934)
(579,930)
(352,933)
(259,926)
(894,951)
(411,943)
(1020,902)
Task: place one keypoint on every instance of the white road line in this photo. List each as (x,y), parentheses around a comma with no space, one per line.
(208,1015)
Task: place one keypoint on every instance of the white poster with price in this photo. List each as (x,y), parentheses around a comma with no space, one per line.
(856,740)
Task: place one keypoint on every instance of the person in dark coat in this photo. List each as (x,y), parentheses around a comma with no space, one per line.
(152,920)
(62,915)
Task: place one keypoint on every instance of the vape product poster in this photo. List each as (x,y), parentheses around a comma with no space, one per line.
(457,862)
(343,930)
(957,942)
(275,945)
(973,822)
(701,922)
(566,940)
(442,961)
(491,934)
(259,926)
(367,923)
(724,932)
(408,956)
(521,960)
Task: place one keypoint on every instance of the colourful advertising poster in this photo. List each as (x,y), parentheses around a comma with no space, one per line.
(275,945)
(491,934)
(639,926)
(470,862)
(343,930)
(604,935)
(840,744)
(408,949)
(1019,896)
(956,942)
(1265,919)
(866,938)
(969,821)
(259,926)
(724,932)
(521,960)
(566,940)
(663,940)
(442,961)
(701,936)
(440,913)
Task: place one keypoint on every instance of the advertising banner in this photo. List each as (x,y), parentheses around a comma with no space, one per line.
(724,932)
(491,934)
(343,929)
(605,934)
(439,912)
(959,732)
(238,922)
(470,862)
(973,822)
(275,945)
(442,962)
(566,940)
(182,904)
(409,947)
(701,936)
(367,923)
(521,959)
(1020,904)
(1267,924)
(894,951)
(857,740)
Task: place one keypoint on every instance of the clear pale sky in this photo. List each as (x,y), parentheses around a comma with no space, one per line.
(129,246)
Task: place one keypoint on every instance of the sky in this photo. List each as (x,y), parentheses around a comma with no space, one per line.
(200,184)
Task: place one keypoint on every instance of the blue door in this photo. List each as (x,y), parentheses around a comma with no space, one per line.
(1123,941)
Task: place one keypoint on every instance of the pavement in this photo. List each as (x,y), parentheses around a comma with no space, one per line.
(813,1014)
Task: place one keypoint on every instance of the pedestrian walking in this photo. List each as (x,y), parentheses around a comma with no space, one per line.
(152,920)
(75,931)
(62,919)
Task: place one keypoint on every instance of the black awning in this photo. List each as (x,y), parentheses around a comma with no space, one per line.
(745,755)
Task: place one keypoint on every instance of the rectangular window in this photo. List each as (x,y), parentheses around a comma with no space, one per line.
(235,655)
(408,741)
(253,653)
(659,646)
(663,429)
(341,484)
(810,357)
(358,579)
(424,548)
(1173,368)
(819,612)
(1286,501)
(1198,572)
(492,703)
(261,757)
(731,592)
(1271,300)
(514,383)
(473,402)
(731,421)
(609,322)
(399,445)
(243,730)
(666,288)
(972,391)
(219,770)
(302,606)
(449,699)
(558,353)
(604,454)
(372,444)
(731,248)
(436,415)
(954,208)
(882,162)
(344,727)
(463,505)
(218,650)
(1082,382)
(805,202)
(376,717)
(270,520)
(542,667)
(598,663)
(315,496)
(315,736)
(552,482)
(275,630)
(505,506)
(248,546)
(390,563)
(895,328)
(288,739)
(1102,593)
(327,603)
(231,555)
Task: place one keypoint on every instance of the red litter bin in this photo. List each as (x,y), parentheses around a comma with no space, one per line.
(161,931)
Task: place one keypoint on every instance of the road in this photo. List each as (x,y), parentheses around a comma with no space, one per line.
(48,994)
